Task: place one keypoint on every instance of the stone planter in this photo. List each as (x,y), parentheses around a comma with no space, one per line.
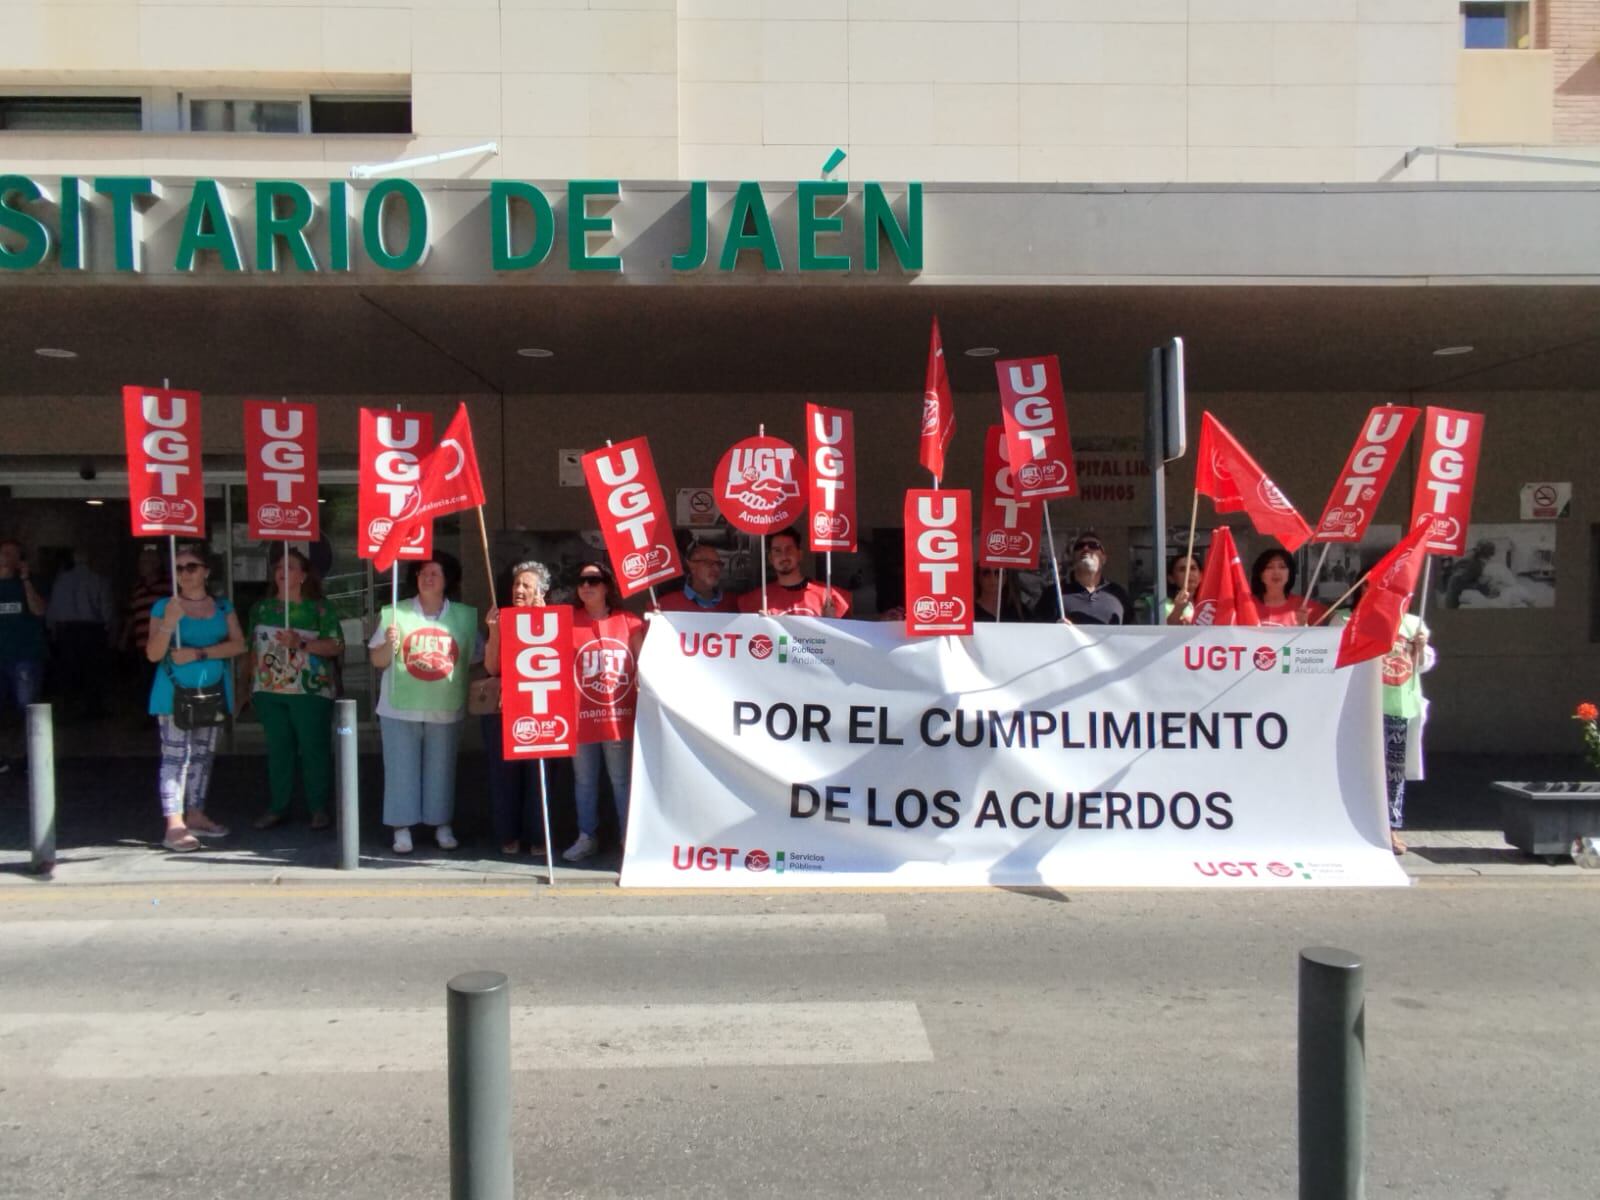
(1544,819)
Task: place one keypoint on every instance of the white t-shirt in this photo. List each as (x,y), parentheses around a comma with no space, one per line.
(386,707)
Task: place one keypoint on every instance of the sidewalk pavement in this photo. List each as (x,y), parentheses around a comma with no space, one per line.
(108,831)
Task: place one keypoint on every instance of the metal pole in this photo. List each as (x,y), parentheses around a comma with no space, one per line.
(348,748)
(1055,565)
(1155,457)
(1333,1071)
(41,788)
(1427,579)
(544,813)
(479,1012)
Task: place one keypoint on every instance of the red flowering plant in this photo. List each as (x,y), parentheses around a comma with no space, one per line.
(1588,716)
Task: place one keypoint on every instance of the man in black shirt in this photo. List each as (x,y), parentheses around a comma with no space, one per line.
(1090,599)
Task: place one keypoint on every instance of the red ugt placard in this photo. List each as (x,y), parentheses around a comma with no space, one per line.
(166,490)
(938,562)
(633,516)
(538,699)
(1008,527)
(756,488)
(280,455)
(1449,471)
(831,457)
(1038,445)
(391,450)
(1366,473)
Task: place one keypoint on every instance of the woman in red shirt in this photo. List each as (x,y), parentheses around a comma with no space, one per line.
(606,667)
(1272,578)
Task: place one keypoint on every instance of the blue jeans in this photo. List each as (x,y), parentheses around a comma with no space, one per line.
(419,771)
(618,759)
(514,789)
(20,683)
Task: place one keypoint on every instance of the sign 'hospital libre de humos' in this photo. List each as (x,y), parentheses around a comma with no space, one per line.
(82,224)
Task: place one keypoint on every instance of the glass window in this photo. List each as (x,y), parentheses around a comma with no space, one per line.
(66,113)
(1502,26)
(360,114)
(244,116)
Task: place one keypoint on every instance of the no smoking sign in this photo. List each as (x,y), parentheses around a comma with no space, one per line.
(1546,501)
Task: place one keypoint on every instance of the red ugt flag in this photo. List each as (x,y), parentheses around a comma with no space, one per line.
(1224,596)
(448,482)
(938,411)
(1232,479)
(1371,630)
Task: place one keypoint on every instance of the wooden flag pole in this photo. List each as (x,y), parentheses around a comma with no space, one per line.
(1055,564)
(1194,516)
(1332,608)
(488,566)
(1316,573)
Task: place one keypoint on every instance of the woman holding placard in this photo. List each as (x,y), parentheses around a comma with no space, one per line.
(424,647)
(192,636)
(607,642)
(295,640)
(513,785)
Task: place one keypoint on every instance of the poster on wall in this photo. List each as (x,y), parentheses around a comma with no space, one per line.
(1505,566)
(1347,561)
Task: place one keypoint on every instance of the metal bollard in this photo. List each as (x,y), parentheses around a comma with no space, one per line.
(41,788)
(479,1013)
(346,752)
(1333,1075)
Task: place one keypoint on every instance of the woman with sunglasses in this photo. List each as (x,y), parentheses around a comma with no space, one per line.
(192,636)
(607,642)
(424,648)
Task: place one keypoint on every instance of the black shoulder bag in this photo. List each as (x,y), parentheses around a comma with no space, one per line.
(196,707)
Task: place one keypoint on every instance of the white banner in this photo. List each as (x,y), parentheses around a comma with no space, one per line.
(796,752)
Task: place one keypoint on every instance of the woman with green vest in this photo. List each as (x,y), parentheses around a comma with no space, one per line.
(294,641)
(424,648)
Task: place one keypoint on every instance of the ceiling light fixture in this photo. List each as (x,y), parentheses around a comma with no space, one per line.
(94,503)
(1453,351)
(981,351)
(55,352)
(536,352)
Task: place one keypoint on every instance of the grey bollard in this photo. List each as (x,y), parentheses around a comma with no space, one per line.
(1333,1075)
(41,788)
(480,1086)
(346,754)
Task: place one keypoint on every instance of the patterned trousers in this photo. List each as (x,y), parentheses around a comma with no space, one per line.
(1394,767)
(186,756)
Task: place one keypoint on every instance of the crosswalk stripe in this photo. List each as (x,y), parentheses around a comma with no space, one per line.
(278,1042)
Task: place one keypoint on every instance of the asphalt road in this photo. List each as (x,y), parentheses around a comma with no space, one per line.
(289,1041)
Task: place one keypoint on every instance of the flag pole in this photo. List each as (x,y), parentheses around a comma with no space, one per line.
(761,431)
(827,576)
(1332,608)
(1305,598)
(1194,516)
(1055,565)
(172,558)
(1000,596)
(1427,575)
(284,547)
(488,565)
(544,809)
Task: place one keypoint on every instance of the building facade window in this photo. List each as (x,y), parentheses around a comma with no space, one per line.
(1502,26)
(360,114)
(318,113)
(66,114)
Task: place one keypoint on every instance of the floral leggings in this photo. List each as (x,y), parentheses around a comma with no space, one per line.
(1394,767)
(186,756)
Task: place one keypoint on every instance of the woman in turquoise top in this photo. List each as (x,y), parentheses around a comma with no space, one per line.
(192,636)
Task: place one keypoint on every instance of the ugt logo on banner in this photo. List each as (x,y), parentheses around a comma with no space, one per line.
(831,456)
(1366,473)
(391,450)
(1449,471)
(633,516)
(280,451)
(756,487)
(1038,446)
(166,491)
(538,699)
(1008,527)
(938,562)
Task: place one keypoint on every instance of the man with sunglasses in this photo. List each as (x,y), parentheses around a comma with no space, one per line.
(1088,597)
(702,591)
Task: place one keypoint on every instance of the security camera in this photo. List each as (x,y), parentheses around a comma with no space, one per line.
(86,470)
